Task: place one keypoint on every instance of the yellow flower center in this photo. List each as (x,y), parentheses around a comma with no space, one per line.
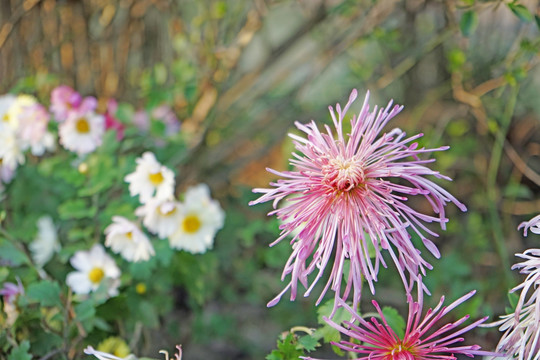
(129,235)
(343,174)
(96,274)
(402,352)
(140,288)
(191,224)
(115,346)
(82,126)
(156,178)
(5,117)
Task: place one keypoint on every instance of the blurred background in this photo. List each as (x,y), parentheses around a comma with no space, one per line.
(239,73)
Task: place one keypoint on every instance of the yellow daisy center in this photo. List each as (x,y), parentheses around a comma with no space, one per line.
(166,212)
(129,235)
(82,126)
(96,274)
(115,346)
(191,224)
(156,178)
(5,117)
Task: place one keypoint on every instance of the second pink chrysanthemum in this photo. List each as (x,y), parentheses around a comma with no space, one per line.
(348,194)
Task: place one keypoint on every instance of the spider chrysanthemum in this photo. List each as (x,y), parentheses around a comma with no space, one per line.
(426,337)
(348,194)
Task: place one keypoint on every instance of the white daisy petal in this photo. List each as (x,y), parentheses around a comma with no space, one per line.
(151,179)
(201,218)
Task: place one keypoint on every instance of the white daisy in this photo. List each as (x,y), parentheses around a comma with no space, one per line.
(6,101)
(32,130)
(46,242)
(150,179)
(82,133)
(160,217)
(11,153)
(201,218)
(93,267)
(125,238)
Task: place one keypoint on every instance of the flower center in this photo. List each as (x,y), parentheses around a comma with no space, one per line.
(5,117)
(191,224)
(343,174)
(400,352)
(156,178)
(129,235)
(166,211)
(96,274)
(82,126)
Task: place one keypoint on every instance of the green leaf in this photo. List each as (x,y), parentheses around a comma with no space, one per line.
(21,352)
(85,313)
(274,355)
(46,292)
(76,209)
(394,320)
(537,20)
(308,342)
(513,299)
(456,59)
(11,255)
(288,347)
(468,22)
(148,314)
(521,12)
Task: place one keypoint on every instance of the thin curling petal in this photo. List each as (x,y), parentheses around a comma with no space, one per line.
(533,225)
(426,336)
(343,193)
(521,329)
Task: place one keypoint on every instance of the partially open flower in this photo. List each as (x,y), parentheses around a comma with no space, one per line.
(125,237)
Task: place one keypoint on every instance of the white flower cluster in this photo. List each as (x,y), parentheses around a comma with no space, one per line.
(190,225)
(23,126)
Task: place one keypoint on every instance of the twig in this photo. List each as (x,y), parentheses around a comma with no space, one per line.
(6,30)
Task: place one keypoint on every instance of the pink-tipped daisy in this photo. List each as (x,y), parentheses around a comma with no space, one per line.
(344,195)
(424,339)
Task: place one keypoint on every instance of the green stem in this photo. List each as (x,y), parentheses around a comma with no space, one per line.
(492,196)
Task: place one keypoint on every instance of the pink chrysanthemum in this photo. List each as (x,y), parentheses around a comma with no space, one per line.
(424,338)
(341,195)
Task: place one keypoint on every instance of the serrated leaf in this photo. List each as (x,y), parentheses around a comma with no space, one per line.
(274,355)
(46,292)
(308,342)
(21,352)
(521,12)
(394,320)
(468,22)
